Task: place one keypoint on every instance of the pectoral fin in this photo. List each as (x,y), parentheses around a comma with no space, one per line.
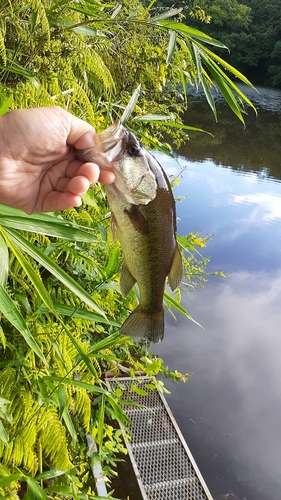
(127,280)
(175,274)
(138,219)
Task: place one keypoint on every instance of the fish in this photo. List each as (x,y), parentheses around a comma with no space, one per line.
(143,219)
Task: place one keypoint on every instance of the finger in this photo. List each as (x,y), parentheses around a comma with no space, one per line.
(81,134)
(89,170)
(106,176)
(78,185)
(60,201)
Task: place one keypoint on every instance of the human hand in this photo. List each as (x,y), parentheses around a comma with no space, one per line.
(39,170)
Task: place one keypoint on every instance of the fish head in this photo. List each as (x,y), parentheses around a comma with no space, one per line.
(134,178)
(118,149)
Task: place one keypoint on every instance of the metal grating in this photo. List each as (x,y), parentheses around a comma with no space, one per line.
(162,461)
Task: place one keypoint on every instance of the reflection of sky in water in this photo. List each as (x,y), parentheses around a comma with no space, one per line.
(230,409)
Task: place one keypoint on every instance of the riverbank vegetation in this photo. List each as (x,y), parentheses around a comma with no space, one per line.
(60,301)
(249,28)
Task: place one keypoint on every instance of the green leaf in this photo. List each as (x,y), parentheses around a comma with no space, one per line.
(191,32)
(76,383)
(74,312)
(171,46)
(84,356)
(10,311)
(101,423)
(4,210)
(106,343)
(167,14)
(52,228)
(150,118)
(113,263)
(3,434)
(4,108)
(50,474)
(6,480)
(68,423)
(59,273)
(171,302)
(138,390)
(4,262)
(35,488)
(35,280)
(180,126)
(130,106)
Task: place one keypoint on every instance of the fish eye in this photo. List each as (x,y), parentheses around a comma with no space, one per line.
(133,149)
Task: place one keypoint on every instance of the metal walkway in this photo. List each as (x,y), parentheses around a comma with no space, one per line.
(163,464)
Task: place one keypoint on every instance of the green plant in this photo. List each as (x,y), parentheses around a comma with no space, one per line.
(60,301)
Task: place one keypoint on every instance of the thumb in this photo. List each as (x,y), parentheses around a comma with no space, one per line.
(81,134)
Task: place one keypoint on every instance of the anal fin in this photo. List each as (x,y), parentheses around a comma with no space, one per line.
(175,273)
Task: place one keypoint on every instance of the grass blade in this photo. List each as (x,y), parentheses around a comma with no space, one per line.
(51,228)
(54,269)
(130,106)
(11,312)
(4,262)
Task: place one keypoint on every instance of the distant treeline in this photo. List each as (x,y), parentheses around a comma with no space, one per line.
(251,29)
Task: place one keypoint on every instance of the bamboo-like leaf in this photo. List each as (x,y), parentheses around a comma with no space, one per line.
(5,106)
(171,46)
(54,269)
(51,228)
(35,280)
(191,32)
(167,14)
(6,480)
(150,118)
(74,312)
(170,301)
(4,210)
(130,106)
(101,423)
(4,262)
(3,434)
(116,11)
(108,342)
(11,312)
(225,89)
(208,95)
(230,68)
(83,355)
(76,383)
(50,474)
(180,126)
(37,491)
(113,263)
(69,424)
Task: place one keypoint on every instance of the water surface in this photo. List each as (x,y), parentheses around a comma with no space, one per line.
(230,409)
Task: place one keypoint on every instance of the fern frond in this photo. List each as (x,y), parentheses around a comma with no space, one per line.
(52,437)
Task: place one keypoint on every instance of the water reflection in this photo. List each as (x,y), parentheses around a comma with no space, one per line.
(230,409)
(231,406)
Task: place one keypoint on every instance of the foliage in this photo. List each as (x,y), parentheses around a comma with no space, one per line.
(251,31)
(60,302)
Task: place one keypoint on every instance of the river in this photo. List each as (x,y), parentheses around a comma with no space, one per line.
(229,410)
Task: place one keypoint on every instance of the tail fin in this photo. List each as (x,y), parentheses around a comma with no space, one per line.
(143,324)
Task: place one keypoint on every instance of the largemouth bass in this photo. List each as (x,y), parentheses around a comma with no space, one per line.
(143,219)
